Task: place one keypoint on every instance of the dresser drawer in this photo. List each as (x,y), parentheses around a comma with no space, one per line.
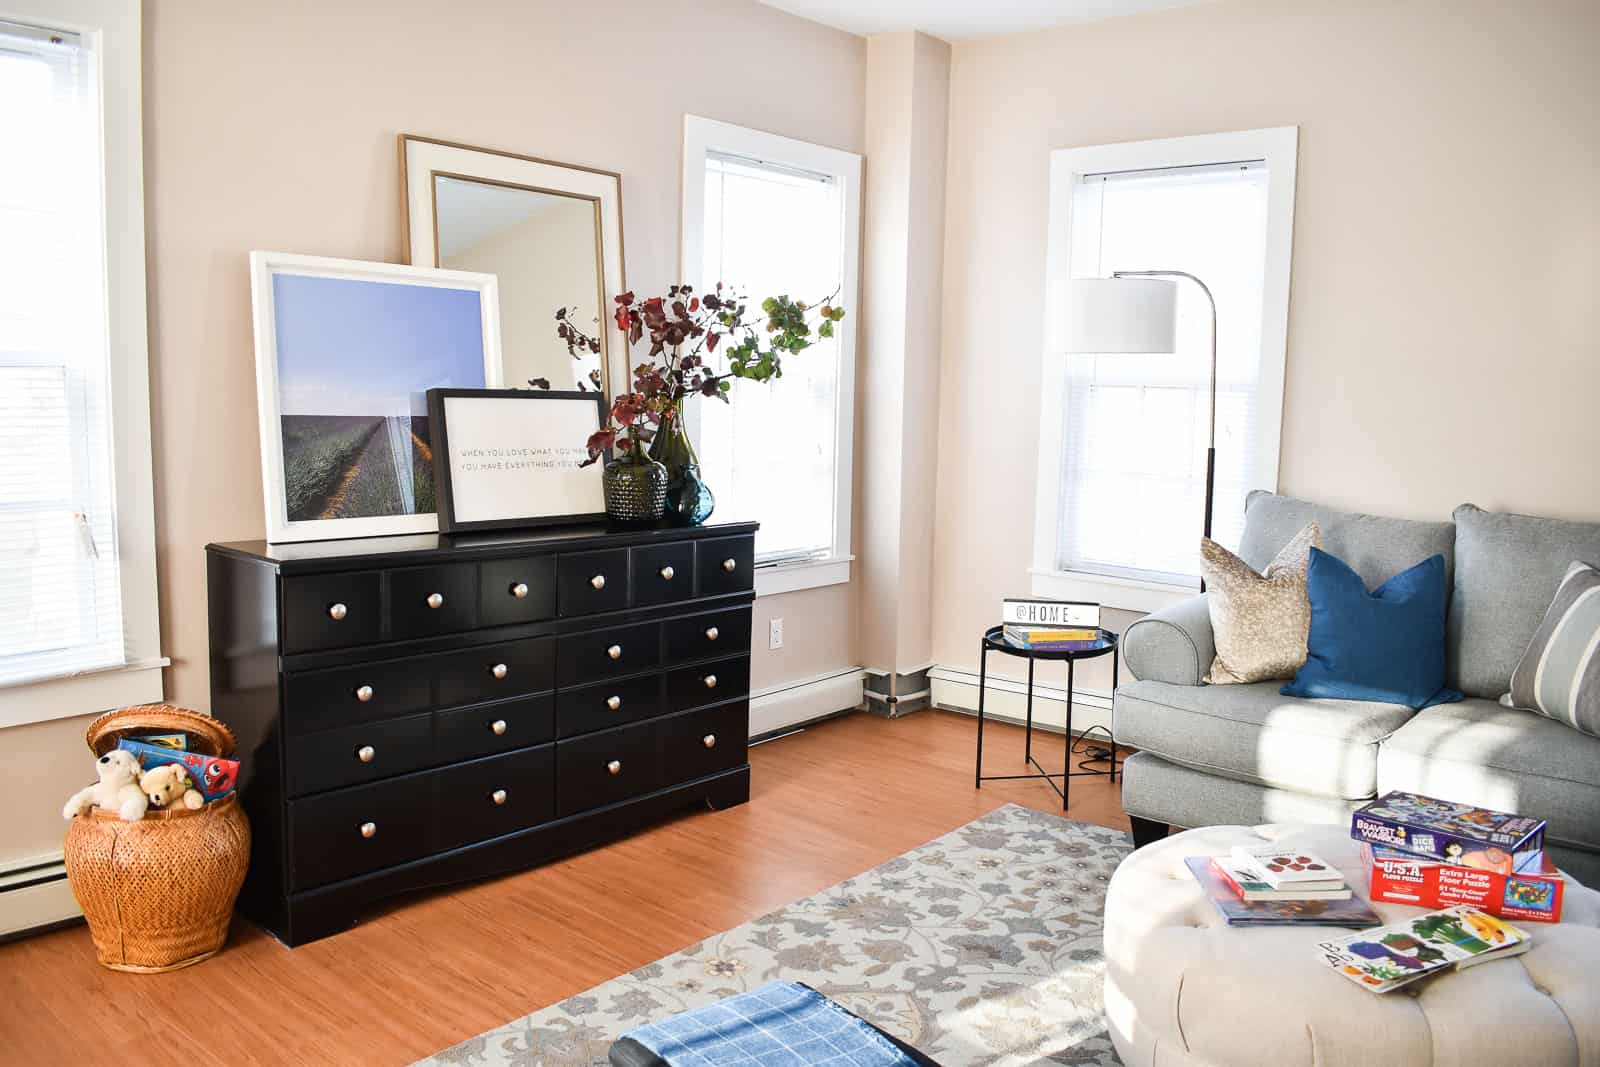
(704,742)
(340,696)
(494,796)
(489,672)
(485,729)
(424,601)
(599,654)
(606,767)
(331,611)
(512,591)
(589,582)
(662,573)
(702,636)
(724,565)
(352,755)
(595,707)
(708,683)
(353,831)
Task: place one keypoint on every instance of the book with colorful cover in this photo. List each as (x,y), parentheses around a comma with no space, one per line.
(1053,633)
(1036,611)
(1453,833)
(1354,913)
(1282,868)
(1053,646)
(1245,881)
(1398,954)
(1533,895)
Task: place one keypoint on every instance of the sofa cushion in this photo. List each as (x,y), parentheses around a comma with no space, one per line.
(1375,547)
(1252,733)
(1508,568)
(1174,644)
(1508,759)
(1259,620)
(1559,675)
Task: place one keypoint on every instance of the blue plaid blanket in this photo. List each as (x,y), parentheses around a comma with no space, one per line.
(783,1024)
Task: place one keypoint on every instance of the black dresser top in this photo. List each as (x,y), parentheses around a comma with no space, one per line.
(413,549)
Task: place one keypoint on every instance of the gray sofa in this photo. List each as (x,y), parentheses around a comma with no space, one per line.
(1216,754)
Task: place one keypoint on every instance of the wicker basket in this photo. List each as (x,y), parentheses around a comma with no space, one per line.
(159,893)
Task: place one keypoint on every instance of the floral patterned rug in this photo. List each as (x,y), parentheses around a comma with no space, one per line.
(979,947)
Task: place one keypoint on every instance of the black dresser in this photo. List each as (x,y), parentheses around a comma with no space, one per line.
(417,711)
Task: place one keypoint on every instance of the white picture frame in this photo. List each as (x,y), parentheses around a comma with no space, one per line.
(355,353)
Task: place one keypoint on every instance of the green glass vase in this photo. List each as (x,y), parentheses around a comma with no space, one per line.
(635,488)
(689,499)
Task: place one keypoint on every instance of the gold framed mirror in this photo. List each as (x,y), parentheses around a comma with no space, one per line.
(552,234)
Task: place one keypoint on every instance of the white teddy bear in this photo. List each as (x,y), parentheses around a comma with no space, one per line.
(118,789)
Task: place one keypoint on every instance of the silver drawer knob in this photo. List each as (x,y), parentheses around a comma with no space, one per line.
(498,796)
(613,703)
(364,693)
(709,740)
(498,726)
(615,651)
(337,612)
(711,681)
(667,573)
(520,590)
(435,600)
(598,581)
(369,829)
(366,753)
(499,670)
(712,633)
(615,766)
(730,565)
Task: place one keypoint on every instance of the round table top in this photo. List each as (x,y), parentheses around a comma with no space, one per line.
(995,638)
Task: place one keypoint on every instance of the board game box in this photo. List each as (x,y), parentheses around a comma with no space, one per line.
(1451,833)
(212,775)
(1398,954)
(1401,878)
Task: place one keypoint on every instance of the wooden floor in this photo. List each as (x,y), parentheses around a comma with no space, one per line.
(433,969)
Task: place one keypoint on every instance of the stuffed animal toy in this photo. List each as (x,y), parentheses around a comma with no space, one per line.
(168,783)
(117,790)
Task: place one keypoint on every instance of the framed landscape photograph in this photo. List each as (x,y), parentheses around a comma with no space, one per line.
(508,458)
(346,352)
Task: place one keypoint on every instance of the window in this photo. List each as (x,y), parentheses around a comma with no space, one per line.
(77,579)
(1127,434)
(771,215)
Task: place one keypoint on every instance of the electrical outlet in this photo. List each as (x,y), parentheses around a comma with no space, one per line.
(775,634)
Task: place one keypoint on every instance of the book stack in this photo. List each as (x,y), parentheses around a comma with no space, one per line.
(1434,854)
(1050,625)
(1400,953)
(1270,886)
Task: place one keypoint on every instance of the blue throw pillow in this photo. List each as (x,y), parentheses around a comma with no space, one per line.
(1386,645)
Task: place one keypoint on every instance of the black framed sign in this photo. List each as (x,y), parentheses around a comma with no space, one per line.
(508,458)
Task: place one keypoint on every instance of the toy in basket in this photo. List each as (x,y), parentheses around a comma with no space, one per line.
(158,891)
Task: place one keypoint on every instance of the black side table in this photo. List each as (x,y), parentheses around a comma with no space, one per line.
(994,641)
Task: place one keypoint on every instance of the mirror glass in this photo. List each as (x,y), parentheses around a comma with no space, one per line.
(545,248)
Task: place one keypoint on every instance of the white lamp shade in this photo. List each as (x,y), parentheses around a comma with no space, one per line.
(1120,316)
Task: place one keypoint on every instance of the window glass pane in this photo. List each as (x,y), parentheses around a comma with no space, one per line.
(1132,501)
(770,455)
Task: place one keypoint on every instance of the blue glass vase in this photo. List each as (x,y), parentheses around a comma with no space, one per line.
(690,501)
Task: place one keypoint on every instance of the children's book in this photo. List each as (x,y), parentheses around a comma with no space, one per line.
(1454,833)
(1398,954)
(1244,881)
(1282,868)
(1353,913)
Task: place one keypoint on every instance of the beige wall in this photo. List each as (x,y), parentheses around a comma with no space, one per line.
(273,126)
(1441,344)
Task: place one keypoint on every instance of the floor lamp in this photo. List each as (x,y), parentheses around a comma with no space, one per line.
(1136,312)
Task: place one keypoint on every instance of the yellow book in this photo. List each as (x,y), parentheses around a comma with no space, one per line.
(1038,634)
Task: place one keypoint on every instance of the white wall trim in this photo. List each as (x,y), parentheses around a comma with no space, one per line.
(24,906)
(810,574)
(956,689)
(82,694)
(792,704)
(1127,594)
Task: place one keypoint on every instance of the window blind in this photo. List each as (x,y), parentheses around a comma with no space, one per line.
(1133,481)
(771,454)
(60,593)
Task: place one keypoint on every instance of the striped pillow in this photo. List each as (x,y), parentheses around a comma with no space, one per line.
(1559,676)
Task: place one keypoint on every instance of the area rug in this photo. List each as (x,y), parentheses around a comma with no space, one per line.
(979,947)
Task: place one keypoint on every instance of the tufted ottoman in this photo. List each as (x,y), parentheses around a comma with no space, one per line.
(1183,987)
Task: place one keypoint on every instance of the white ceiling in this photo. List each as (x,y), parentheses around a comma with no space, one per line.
(961,20)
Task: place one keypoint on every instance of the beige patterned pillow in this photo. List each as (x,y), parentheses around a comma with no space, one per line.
(1260,621)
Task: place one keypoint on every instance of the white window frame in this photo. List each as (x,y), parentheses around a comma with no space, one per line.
(1278,147)
(114,27)
(700,137)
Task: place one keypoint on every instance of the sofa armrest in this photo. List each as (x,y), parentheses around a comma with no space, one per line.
(1173,645)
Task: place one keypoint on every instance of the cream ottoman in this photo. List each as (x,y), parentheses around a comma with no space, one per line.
(1183,987)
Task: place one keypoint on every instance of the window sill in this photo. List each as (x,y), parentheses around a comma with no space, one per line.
(1126,594)
(775,578)
(81,694)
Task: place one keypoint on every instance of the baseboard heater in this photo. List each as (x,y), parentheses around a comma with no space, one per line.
(35,896)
